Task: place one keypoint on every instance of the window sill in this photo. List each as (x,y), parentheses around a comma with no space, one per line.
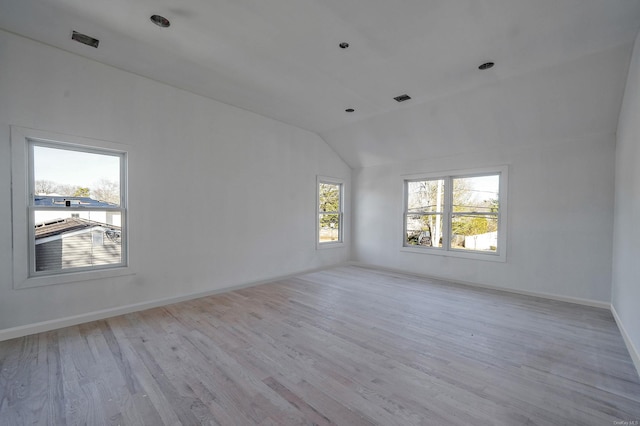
(322,246)
(72,277)
(488,257)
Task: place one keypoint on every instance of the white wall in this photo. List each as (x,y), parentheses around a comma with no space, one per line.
(219,196)
(625,295)
(554,128)
(558,228)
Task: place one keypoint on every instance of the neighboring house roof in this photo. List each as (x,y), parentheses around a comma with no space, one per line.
(60,200)
(57,227)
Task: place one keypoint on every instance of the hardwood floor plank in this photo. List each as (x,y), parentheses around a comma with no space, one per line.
(55,412)
(181,400)
(330,408)
(346,346)
(121,329)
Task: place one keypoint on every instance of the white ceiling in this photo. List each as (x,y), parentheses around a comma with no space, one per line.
(573,102)
(280,58)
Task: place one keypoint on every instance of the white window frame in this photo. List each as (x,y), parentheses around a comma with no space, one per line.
(340,213)
(501,253)
(24,273)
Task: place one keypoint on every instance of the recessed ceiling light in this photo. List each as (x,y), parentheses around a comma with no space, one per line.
(343,45)
(486,66)
(402,98)
(160,21)
(349,110)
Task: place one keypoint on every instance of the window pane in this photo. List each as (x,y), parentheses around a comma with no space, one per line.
(68,173)
(425,196)
(476,194)
(329,197)
(329,228)
(66,240)
(423,230)
(474,232)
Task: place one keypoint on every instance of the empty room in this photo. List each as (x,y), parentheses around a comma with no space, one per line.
(320,212)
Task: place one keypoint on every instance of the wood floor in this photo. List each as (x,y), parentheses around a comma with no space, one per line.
(347,346)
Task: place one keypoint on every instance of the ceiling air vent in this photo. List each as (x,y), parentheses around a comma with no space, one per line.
(402,98)
(85,39)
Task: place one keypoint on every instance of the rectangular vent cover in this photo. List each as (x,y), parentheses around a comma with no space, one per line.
(85,39)
(402,98)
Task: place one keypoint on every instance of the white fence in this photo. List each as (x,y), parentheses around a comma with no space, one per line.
(482,241)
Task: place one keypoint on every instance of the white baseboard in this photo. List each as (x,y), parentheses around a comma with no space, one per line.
(633,351)
(550,296)
(25,330)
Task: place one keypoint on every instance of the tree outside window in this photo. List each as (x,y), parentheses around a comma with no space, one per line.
(329,212)
(454,213)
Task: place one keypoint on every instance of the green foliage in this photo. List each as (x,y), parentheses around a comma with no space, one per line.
(466,200)
(494,205)
(81,192)
(329,201)
(329,197)
(471,225)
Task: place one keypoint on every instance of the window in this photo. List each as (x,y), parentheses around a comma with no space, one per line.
(70,212)
(458,214)
(330,212)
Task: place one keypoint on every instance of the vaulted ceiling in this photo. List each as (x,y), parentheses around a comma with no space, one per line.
(281,58)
